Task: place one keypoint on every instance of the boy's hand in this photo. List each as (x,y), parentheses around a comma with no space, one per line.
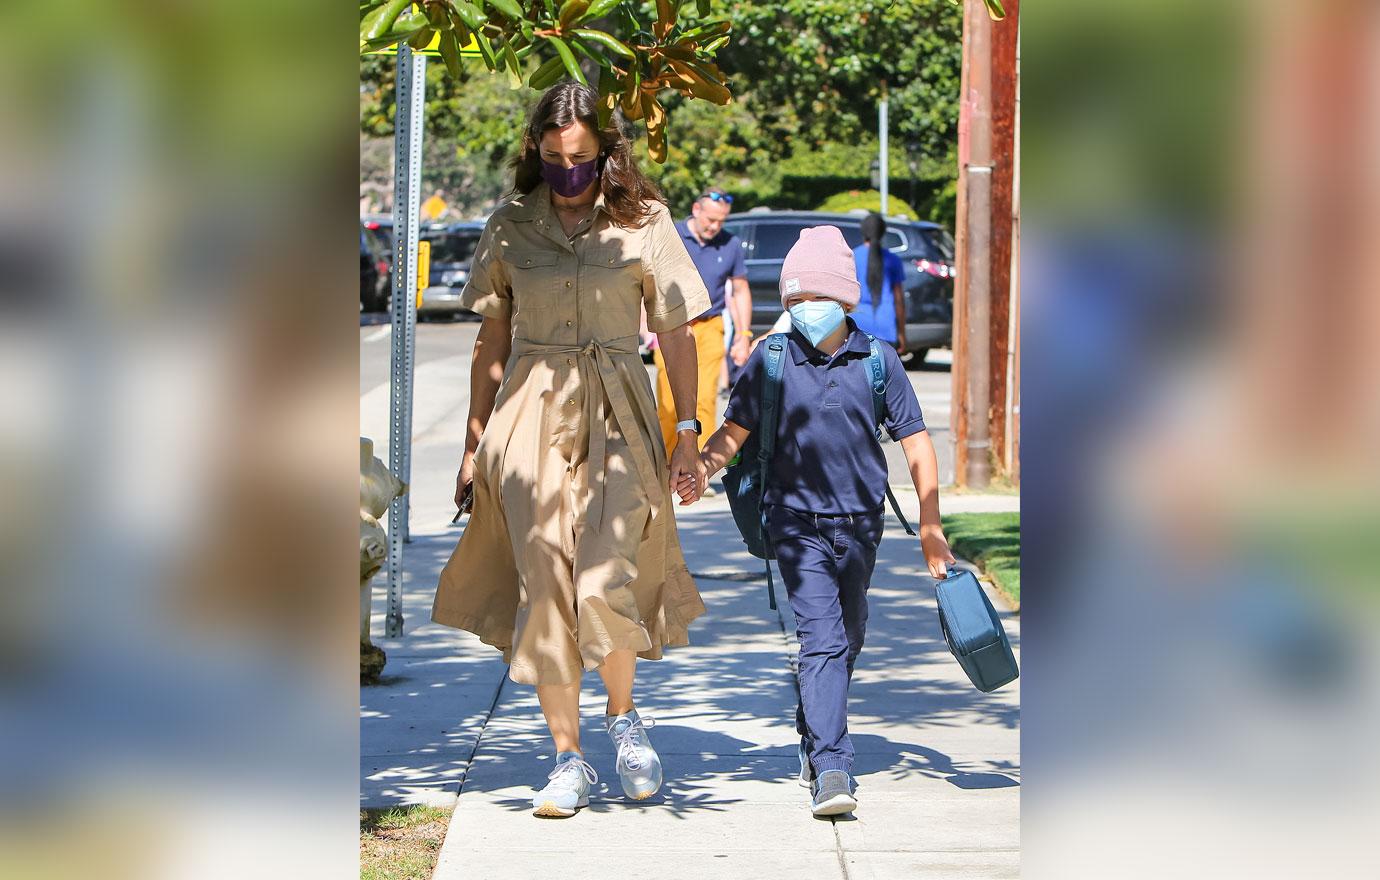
(709,469)
(938,556)
(687,490)
(687,473)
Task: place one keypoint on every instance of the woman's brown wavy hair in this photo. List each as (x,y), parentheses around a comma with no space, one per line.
(628,193)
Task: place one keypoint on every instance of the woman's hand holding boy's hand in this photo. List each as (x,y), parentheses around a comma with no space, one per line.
(687,490)
(938,556)
(687,473)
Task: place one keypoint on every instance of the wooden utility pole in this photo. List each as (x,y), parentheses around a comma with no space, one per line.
(1003,43)
(982,371)
(972,295)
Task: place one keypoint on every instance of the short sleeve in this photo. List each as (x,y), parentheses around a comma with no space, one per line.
(739,269)
(896,271)
(488,291)
(744,401)
(671,285)
(903,416)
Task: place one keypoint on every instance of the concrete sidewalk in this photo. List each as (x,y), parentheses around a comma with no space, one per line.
(938,762)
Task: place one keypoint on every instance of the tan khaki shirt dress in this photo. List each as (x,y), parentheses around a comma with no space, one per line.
(571,549)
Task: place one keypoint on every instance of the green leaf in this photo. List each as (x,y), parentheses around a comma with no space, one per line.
(707,29)
(600,8)
(514,66)
(469,13)
(450,53)
(368,22)
(608,41)
(485,51)
(568,57)
(702,6)
(572,11)
(387,16)
(403,29)
(608,96)
(995,10)
(437,15)
(508,8)
(420,39)
(547,74)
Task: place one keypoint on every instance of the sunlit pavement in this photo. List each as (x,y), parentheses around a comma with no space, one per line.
(938,762)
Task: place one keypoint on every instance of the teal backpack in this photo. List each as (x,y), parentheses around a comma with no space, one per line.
(745,477)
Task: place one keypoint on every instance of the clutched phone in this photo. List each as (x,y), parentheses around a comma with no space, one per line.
(466,503)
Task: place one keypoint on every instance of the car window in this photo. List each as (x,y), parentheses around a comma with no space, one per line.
(774,240)
(940,240)
(893,240)
(382,241)
(453,248)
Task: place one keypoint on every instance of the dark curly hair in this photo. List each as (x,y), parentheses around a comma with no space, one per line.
(628,193)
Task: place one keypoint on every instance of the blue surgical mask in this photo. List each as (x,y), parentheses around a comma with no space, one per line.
(817,319)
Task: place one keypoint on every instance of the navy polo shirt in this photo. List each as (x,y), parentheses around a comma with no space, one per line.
(828,458)
(718,260)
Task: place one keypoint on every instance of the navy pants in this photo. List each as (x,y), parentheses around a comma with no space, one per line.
(826,563)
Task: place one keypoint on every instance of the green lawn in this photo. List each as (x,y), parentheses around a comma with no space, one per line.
(400,843)
(993,541)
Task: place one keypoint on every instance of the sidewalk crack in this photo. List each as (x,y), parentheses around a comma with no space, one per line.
(484,726)
(838,848)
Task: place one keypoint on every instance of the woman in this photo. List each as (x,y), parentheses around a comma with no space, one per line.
(882,310)
(570,560)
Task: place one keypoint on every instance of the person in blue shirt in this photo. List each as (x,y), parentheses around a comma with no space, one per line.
(881,275)
(825,490)
(718,255)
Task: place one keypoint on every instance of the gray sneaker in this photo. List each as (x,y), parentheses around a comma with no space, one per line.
(568,788)
(833,794)
(807,771)
(639,768)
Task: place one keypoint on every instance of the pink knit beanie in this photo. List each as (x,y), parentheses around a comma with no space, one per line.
(821,262)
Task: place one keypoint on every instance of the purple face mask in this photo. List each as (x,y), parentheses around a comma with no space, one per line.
(571,181)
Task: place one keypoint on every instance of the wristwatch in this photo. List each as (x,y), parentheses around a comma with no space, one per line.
(689,425)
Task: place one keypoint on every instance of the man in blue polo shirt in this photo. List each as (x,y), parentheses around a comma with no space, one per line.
(719,256)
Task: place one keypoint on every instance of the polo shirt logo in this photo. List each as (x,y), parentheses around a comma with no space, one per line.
(793,285)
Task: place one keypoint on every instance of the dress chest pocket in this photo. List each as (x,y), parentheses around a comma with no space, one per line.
(612,276)
(534,277)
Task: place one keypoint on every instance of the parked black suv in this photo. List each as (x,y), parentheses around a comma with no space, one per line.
(926,250)
(452,250)
(375,271)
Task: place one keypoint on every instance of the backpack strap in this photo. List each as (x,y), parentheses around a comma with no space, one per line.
(876,368)
(766,440)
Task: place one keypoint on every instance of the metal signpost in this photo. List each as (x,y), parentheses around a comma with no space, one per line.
(411,85)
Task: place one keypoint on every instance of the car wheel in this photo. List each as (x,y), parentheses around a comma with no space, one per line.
(916,359)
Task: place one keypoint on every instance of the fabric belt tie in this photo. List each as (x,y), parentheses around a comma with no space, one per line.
(597,369)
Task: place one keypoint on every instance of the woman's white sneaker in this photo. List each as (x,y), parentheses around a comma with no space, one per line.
(567,789)
(639,768)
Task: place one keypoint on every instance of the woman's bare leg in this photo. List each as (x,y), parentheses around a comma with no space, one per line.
(560,703)
(618,671)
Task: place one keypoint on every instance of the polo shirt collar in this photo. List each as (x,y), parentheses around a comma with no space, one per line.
(689,235)
(801,349)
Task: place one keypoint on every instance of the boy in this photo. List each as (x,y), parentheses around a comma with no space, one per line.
(825,490)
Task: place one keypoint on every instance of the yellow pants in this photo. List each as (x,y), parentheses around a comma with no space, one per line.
(709,348)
